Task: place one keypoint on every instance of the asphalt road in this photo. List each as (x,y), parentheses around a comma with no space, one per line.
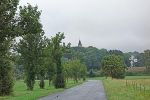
(91,90)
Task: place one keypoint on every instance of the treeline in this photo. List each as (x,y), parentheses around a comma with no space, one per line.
(93,56)
(35,56)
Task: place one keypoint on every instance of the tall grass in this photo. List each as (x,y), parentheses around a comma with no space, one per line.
(21,92)
(117,90)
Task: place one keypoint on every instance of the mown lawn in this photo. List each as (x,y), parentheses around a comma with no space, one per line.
(21,92)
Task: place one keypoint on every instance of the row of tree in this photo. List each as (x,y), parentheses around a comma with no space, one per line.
(75,69)
(35,56)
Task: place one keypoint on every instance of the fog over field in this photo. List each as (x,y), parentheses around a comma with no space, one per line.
(110,24)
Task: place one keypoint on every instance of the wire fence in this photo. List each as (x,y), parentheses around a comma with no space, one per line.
(138,86)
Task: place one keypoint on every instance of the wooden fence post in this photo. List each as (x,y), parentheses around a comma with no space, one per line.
(140,87)
(144,87)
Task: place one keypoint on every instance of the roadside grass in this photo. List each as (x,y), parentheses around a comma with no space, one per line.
(130,89)
(21,92)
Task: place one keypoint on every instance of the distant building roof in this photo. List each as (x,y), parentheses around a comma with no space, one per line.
(80,44)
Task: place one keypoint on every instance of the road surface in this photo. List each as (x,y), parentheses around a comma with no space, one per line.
(91,90)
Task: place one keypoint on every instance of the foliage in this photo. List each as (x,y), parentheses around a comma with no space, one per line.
(147,58)
(93,56)
(115,52)
(75,69)
(126,57)
(6,76)
(91,73)
(31,46)
(90,55)
(95,73)
(113,65)
(133,73)
(57,52)
(8,28)
(80,56)
(147,61)
(66,69)
(140,60)
(50,67)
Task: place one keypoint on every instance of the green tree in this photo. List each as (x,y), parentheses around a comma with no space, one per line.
(8,27)
(75,69)
(147,61)
(115,52)
(80,56)
(83,71)
(147,58)
(30,47)
(113,65)
(49,62)
(57,52)
(140,60)
(126,59)
(67,70)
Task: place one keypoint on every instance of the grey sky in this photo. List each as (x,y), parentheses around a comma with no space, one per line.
(110,24)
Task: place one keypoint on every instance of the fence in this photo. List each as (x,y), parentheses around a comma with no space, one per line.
(137,86)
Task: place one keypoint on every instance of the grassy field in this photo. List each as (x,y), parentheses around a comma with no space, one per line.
(21,92)
(128,88)
(121,89)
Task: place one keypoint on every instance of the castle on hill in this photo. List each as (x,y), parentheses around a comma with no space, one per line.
(80,44)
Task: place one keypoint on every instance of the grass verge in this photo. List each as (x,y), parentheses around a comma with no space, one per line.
(21,92)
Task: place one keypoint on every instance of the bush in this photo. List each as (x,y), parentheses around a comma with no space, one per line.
(95,73)
(120,76)
(59,81)
(135,73)
(42,84)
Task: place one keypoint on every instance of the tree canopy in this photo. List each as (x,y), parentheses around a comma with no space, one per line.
(113,65)
(8,27)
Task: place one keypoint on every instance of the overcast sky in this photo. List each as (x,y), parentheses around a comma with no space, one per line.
(111,24)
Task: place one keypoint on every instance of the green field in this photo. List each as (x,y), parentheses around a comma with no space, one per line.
(128,88)
(21,92)
(116,89)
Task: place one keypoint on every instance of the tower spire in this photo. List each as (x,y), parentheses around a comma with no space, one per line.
(79,44)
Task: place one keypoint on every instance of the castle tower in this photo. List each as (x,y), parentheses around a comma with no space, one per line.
(79,44)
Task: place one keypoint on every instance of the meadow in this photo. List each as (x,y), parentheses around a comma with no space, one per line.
(21,92)
(130,88)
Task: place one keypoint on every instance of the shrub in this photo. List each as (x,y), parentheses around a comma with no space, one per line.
(120,76)
(59,81)
(129,73)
